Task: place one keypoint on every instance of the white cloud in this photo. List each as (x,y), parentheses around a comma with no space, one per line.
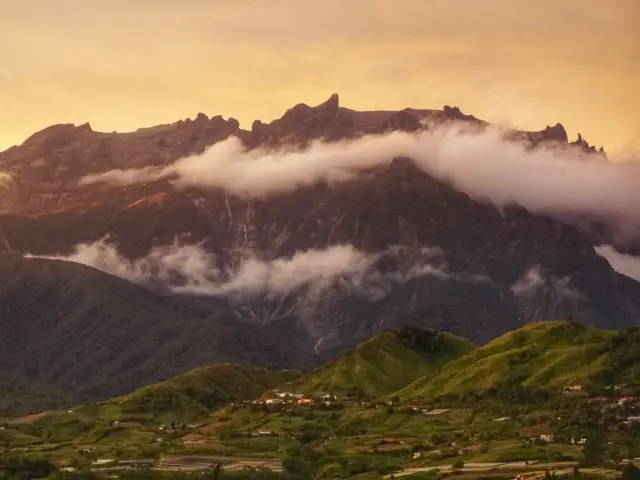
(480,163)
(534,281)
(627,265)
(190,269)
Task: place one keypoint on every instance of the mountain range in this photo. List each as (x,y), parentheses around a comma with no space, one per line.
(409,365)
(199,247)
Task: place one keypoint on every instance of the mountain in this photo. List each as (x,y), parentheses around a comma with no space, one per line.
(69,328)
(413,250)
(20,395)
(385,363)
(539,355)
(198,391)
(408,363)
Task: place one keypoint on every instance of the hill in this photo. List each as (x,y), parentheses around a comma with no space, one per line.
(198,391)
(385,363)
(93,336)
(539,355)
(18,394)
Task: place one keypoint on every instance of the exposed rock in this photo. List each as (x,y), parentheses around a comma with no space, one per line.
(486,251)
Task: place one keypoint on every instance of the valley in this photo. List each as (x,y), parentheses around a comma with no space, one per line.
(368,415)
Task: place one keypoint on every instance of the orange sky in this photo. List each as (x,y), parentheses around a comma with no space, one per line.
(126,64)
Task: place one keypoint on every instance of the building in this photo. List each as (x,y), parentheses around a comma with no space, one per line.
(289,395)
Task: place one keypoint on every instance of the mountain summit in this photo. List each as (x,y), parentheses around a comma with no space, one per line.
(320,266)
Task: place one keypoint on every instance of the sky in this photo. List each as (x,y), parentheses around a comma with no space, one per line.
(121,65)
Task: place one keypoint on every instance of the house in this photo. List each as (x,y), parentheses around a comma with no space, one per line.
(547,437)
(305,401)
(273,401)
(624,400)
(193,439)
(573,388)
(327,396)
(437,411)
(582,441)
(289,395)
(598,399)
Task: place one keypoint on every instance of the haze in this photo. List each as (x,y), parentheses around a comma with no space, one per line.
(122,65)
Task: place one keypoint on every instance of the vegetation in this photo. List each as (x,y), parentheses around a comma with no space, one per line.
(539,355)
(201,390)
(228,415)
(54,314)
(385,363)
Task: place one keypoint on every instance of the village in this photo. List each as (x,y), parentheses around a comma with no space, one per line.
(434,434)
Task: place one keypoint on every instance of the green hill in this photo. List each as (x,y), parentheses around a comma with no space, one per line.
(69,328)
(198,391)
(539,355)
(385,363)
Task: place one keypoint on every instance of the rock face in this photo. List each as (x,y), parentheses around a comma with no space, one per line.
(492,270)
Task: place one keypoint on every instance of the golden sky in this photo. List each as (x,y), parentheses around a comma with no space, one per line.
(126,64)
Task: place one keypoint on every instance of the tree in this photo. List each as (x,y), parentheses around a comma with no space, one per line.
(630,472)
(593,450)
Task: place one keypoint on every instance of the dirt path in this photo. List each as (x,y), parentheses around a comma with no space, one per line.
(28,418)
(530,471)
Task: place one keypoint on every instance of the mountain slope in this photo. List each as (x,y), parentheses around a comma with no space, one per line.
(539,355)
(495,269)
(93,335)
(199,391)
(385,363)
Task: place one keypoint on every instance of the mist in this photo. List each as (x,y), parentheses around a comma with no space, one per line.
(534,281)
(627,265)
(189,269)
(485,165)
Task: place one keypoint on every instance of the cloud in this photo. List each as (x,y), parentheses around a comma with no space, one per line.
(534,282)
(627,265)
(189,269)
(6,181)
(481,163)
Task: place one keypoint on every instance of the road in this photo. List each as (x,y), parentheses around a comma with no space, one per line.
(533,470)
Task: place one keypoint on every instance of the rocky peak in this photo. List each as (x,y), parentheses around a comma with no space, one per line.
(404,121)
(454,113)
(332,104)
(257,126)
(56,131)
(584,145)
(556,133)
(233,123)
